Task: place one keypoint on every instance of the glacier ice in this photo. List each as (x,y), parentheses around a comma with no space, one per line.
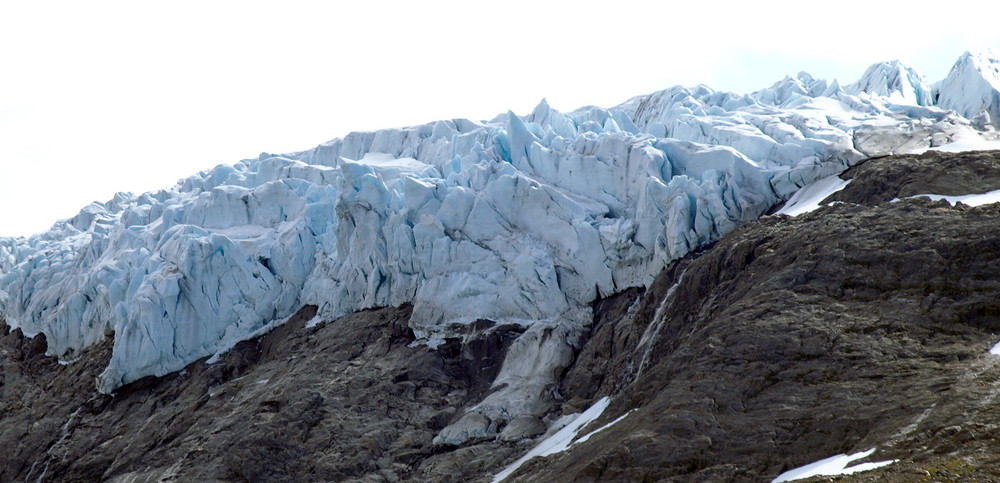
(519,219)
(972,88)
(896,82)
(524,384)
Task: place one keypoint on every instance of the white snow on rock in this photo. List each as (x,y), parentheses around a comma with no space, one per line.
(971,144)
(587,436)
(518,219)
(995,350)
(832,466)
(970,200)
(809,197)
(562,439)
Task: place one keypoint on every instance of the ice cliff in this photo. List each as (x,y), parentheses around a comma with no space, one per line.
(972,88)
(894,81)
(523,219)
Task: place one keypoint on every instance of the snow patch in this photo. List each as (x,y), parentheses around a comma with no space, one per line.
(969,144)
(313,322)
(809,197)
(970,200)
(602,428)
(832,466)
(561,440)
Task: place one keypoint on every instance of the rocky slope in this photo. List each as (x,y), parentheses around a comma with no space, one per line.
(345,400)
(864,324)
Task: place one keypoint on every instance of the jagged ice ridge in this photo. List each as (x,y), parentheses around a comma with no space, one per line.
(518,219)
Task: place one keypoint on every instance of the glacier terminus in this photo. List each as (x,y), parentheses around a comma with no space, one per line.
(522,219)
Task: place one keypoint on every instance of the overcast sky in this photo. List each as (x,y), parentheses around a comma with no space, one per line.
(98,97)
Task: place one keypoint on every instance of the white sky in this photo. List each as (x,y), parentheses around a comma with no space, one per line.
(98,97)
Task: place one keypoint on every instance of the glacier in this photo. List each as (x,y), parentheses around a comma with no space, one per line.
(972,88)
(519,219)
(894,81)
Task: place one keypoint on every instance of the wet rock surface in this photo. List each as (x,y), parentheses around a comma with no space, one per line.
(865,324)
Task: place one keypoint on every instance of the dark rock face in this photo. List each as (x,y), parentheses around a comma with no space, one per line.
(856,326)
(885,179)
(346,400)
(795,340)
(865,324)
